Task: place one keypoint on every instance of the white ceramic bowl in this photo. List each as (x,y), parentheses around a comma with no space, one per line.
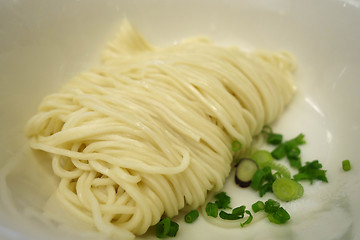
(44,43)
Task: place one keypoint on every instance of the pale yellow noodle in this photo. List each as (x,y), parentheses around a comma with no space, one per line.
(149,130)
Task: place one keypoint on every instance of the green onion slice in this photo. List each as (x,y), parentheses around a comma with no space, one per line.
(265,159)
(274,139)
(286,189)
(346,165)
(211,209)
(258,206)
(279,152)
(267,187)
(257,179)
(293,152)
(295,162)
(228,216)
(248,220)
(191,216)
(311,171)
(163,227)
(262,158)
(280,216)
(239,211)
(174,227)
(266,130)
(222,200)
(271,206)
(236,146)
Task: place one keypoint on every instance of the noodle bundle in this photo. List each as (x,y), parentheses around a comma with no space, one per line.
(149,130)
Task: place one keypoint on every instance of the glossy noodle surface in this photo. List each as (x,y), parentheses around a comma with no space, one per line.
(149,130)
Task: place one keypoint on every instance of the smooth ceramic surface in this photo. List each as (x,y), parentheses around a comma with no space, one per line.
(44,43)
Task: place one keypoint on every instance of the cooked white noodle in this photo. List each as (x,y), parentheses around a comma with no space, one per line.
(149,130)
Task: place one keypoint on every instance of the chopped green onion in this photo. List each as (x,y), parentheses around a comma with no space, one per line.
(212,209)
(277,175)
(262,180)
(191,216)
(266,130)
(236,213)
(290,149)
(163,227)
(174,227)
(286,189)
(279,152)
(274,139)
(346,165)
(239,211)
(311,171)
(262,158)
(280,216)
(258,206)
(298,140)
(281,169)
(265,159)
(228,216)
(271,206)
(257,179)
(222,200)
(293,152)
(236,146)
(267,187)
(295,162)
(267,171)
(248,220)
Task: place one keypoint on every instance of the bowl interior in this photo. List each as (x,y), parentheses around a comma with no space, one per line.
(43,44)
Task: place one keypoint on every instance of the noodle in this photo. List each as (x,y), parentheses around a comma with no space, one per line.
(149,130)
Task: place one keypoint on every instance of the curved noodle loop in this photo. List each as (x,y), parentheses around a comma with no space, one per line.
(149,130)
